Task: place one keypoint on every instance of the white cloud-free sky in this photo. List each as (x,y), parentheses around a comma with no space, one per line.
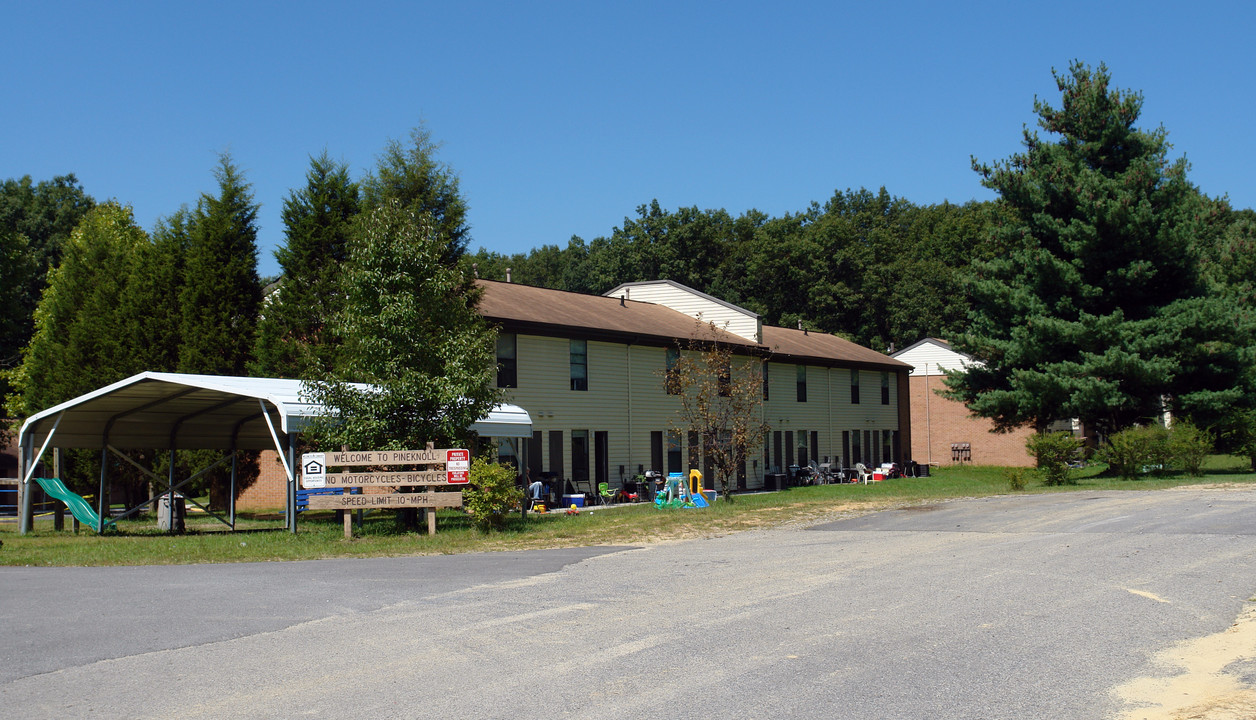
(561,118)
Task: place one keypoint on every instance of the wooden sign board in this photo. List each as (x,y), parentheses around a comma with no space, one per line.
(429,456)
(387,479)
(456,463)
(361,502)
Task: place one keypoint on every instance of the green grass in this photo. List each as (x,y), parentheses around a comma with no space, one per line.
(322,536)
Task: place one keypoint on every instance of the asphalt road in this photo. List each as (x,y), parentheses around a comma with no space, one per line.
(1016,607)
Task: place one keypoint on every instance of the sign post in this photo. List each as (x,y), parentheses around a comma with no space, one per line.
(442,467)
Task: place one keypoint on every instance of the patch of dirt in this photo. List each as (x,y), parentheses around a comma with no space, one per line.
(1207,681)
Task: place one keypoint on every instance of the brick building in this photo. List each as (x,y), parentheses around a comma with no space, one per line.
(942,431)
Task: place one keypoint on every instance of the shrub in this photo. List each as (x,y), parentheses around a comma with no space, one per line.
(1137,450)
(492,494)
(1188,446)
(1017,478)
(1053,451)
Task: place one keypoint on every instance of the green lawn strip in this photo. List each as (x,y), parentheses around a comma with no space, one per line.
(261,538)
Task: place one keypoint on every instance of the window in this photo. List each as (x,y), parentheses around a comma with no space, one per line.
(887,446)
(579,364)
(765,381)
(854,387)
(885,388)
(670,380)
(802,383)
(856,455)
(507,372)
(726,380)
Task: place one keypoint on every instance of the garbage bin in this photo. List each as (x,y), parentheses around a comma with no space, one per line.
(163,512)
(775,481)
(923,470)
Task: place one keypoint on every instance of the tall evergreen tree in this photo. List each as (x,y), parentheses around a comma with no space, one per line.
(152,302)
(293,333)
(80,334)
(221,292)
(412,177)
(1097,310)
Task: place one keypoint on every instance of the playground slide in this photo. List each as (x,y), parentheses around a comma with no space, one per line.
(699,500)
(80,508)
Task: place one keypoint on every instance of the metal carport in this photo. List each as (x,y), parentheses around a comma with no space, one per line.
(175,411)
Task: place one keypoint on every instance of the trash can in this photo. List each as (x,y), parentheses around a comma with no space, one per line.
(163,512)
(923,470)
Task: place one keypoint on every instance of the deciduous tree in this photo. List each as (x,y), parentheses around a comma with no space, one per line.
(411,331)
(721,401)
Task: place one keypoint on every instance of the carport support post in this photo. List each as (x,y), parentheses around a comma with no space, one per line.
(170,490)
(292,482)
(235,456)
(102,507)
(26,458)
(58,513)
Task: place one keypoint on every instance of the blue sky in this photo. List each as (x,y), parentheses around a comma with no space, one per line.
(560,118)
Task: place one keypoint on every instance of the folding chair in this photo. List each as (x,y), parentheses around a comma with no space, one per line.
(605,493)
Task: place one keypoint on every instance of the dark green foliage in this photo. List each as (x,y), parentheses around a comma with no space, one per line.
(413,178)
(221,294)
(81,339)
(492,494)
(35,220)
(1097,309)
(151,303)
(410,328)
(294,338)
(867,265)
(1054,452)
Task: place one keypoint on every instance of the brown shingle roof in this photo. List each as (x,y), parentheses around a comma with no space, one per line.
(523,308)
(534,310)
(825,348)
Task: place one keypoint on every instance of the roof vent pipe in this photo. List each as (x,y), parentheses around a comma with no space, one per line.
(621,301)
(507,274)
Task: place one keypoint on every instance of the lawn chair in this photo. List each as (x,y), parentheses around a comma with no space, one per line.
(605,494)
(865,475)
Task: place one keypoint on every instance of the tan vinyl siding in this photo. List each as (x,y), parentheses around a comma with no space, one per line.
(627,400)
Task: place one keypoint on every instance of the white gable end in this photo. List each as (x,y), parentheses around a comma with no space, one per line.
(698,305)
(931,357)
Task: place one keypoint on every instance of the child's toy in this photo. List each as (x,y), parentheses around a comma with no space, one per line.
(573,510)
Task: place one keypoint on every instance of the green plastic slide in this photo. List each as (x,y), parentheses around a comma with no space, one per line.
(79,508)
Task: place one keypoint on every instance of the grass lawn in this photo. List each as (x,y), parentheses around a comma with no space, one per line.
(321,535)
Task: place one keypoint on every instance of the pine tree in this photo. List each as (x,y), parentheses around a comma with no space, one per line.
(1097,309)
(221,293)
(294,338)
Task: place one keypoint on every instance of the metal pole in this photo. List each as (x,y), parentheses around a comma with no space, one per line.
(170,491)
(231,497)
(23,489)
(100,498)
(292,482)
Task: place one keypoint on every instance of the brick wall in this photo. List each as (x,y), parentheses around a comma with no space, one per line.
(270,492)
(937,422)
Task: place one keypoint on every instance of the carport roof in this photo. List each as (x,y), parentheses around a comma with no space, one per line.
(163,410)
